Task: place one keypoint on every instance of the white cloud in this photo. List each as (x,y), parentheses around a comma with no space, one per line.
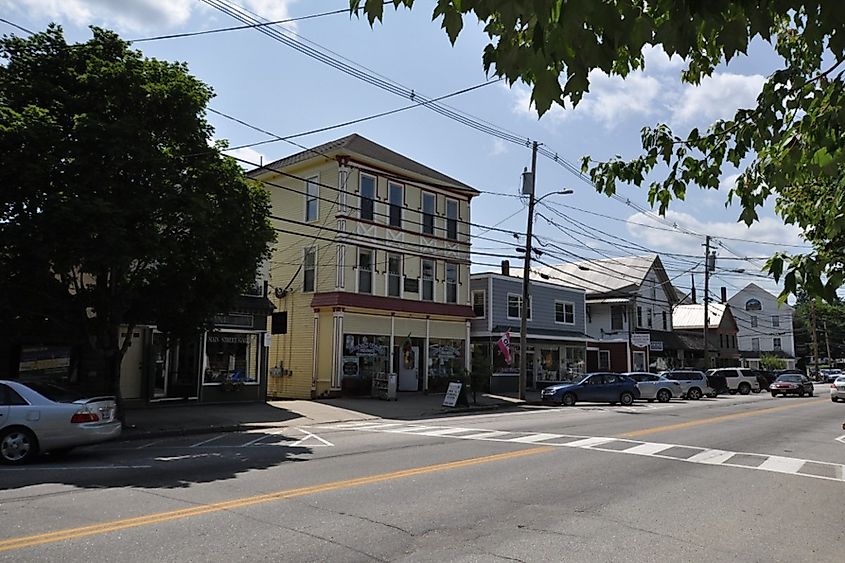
(728,182)
(499,147)
(767,229)
(135,15)
(657,59)
(718,97)
(251,158)
(611,99)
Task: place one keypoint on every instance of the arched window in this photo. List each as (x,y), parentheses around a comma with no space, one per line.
(753,305)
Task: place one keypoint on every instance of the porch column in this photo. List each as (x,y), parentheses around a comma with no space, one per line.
(392,338)
(425,355)
(467,350)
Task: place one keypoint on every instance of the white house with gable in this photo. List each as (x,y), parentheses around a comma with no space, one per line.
(764,326)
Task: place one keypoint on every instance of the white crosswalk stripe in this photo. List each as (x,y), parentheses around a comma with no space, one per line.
(704,456)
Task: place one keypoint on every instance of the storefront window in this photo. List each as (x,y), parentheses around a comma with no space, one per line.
(365,355)
(572,363)
(231,357)
(445,359)
(549,362)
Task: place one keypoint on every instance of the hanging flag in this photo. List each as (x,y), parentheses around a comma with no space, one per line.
(505,347)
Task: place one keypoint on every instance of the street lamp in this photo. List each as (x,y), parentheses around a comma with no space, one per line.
(528,183)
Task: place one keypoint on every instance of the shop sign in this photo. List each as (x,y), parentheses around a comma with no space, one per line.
(656,346)
(452,394)
(233,319)
(47,359)
(229,338)
(350,366)
(444,352)
(640,339)
(369,349)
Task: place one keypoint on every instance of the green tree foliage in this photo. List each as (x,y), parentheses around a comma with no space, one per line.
(114,208)
(790,146)
(772,363)
(830,327)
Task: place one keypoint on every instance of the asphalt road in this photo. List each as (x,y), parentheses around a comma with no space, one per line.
(729,479)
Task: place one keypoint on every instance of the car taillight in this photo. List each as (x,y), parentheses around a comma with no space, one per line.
(84,416)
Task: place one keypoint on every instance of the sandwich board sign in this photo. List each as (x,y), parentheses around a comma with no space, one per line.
(452,394)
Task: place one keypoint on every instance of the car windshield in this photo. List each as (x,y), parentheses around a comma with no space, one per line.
(840,379)
(790,378)
(55,393)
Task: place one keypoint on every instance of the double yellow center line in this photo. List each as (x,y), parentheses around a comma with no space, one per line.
(157,518)
(712,420)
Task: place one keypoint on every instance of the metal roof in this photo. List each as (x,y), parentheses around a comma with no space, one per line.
(692,316)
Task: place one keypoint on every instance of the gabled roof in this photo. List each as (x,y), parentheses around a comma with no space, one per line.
(370,152)
(753,289)
(687,317)
(609,277)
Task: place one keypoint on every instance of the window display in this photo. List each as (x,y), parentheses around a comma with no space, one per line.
(231,357)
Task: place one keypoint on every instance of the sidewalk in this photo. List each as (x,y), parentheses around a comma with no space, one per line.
(155,422)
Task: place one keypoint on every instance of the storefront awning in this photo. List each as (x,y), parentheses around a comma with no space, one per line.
(608,300)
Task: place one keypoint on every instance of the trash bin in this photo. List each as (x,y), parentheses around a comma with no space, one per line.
(392,386)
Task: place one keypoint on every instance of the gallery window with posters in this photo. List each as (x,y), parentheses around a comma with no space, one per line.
(445,361)
(231,357)
(365,355)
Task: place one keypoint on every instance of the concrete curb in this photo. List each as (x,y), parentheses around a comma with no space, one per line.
(133,435)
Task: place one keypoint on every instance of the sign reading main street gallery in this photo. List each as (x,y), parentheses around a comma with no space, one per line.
(452,394)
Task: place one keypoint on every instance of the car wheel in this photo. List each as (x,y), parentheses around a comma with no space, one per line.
(774,394)
(801,393)
(834,399)
(744,389)
(17,445)
(694,393)
(626,398)
(664,395)
(568,400)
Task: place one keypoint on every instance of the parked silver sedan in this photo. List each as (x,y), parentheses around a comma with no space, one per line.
(653,387)
(837,389)
(45,418)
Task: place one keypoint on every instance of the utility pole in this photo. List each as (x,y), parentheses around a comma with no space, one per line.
(815,336)
(527,185)
(827,342)
(706,301)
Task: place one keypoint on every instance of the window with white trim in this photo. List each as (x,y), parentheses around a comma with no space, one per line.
(753,321)
(312,202)
(368,196)
(479,305)
(394,275)
(428,207)
(427,268)
(775,321)
(365,270)
(451,282)
(565,312)
(776,345)
(395,195)
(309,270)
(755,344)
(515,306)
(451,219)
(639,316)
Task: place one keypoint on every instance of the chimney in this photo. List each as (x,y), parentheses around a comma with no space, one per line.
(506,268)
(724,295)
(692,291)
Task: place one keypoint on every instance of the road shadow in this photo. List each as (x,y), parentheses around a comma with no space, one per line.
(160,465)
(171,418)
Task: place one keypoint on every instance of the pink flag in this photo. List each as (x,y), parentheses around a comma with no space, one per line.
(505,347)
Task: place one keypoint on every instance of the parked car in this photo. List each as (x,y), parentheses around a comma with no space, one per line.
(653,387)
(837,389)
(739,380)
(764,378)
(693,383)
(830,375)
(717,383)
(44,418)
(593,387)
(791,384)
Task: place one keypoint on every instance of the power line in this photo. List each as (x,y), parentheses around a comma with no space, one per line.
(20,27)
(239,27)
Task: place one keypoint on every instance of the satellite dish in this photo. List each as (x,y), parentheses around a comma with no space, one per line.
(280,292)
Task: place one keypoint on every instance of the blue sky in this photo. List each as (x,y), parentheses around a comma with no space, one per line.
(268,84)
